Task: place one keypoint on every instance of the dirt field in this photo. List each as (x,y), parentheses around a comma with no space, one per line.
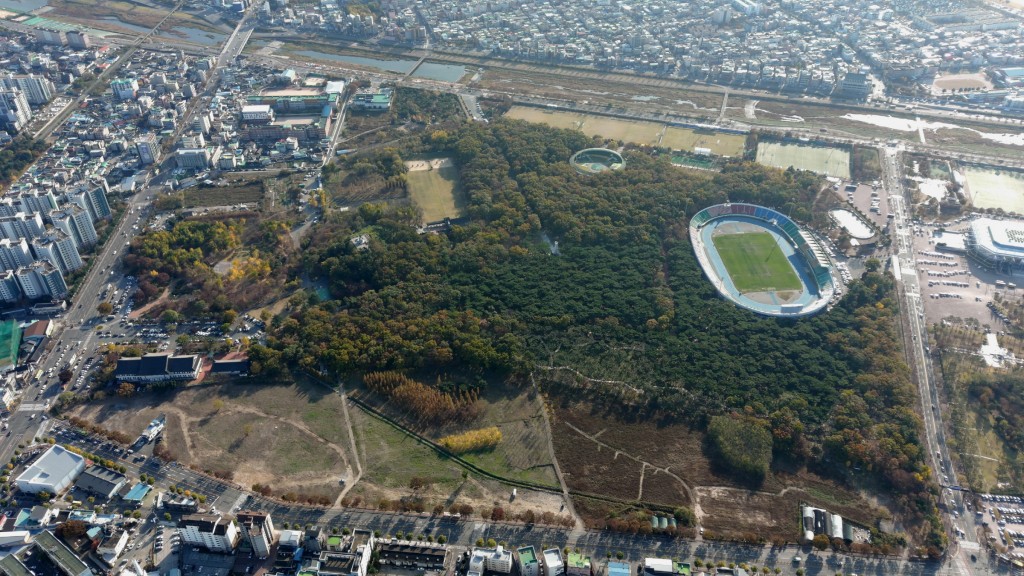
(555,119)
(243,193)
(720,143)
(637,132)
(288,437)
(959,81)
(434,187)
(601,454)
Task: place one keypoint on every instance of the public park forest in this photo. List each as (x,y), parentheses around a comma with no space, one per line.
(620,316)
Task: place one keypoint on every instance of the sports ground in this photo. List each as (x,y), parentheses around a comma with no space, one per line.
(818,159)
(755,263)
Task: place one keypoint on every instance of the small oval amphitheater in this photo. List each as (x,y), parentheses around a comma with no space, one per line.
(761,260)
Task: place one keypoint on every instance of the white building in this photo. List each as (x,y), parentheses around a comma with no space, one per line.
(495,559)
(38,90)
(125,89)
(21,225)
(257,113)
(52,472)
(211,531)
(553,565)
(14,109)
(258,529)
(14,254)
(10,292)
(93,198)
(40,280)
(75,221)
(57,248)
(112,546)
(197,158)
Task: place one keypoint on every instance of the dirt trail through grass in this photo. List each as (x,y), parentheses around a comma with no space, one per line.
(690,493)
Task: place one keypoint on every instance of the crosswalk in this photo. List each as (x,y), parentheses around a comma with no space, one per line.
(31,407)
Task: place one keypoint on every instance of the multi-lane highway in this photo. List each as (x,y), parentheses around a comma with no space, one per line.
(964,534)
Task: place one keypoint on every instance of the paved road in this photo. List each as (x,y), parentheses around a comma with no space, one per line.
(964,534)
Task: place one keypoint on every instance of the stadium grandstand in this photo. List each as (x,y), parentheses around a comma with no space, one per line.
(996,244)
(810,261)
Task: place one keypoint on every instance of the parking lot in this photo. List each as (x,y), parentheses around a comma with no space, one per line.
(1003,518)
(954,286)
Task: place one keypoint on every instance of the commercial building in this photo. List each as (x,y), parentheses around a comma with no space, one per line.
(374,101)
(997,244)
(406,555)
(527,560)
(210,531)
(148,149)
(158,367)
(553,565)
(15,111)
(197,158)
(101,481)
(258,529)
(52,472)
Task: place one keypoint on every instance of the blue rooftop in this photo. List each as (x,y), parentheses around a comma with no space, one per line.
(618,569)
(138,492)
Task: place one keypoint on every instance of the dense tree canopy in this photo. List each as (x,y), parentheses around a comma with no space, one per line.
(622,312)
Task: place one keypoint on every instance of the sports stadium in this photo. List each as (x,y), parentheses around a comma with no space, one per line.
(761,260)
(596,160)
(996,244)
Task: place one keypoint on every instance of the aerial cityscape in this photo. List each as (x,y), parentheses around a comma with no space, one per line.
(489,288)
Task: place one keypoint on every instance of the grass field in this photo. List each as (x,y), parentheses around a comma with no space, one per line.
(819,159)
(553,118)
(755,263)
(634,131)
(720,143)
(436,191)
(991,188)
(638,132)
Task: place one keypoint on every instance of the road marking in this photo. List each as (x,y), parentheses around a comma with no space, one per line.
(34,407)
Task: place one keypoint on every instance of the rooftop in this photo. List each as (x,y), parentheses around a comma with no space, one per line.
(527,555)
(577,560)
(61,555)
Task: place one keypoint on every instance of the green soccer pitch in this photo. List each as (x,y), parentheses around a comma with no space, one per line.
(756,263)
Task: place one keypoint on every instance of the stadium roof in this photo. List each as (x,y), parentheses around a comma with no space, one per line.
(1003,239)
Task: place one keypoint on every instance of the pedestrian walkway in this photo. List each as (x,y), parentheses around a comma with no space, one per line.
(35,407)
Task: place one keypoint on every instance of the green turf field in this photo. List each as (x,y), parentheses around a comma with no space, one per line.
(755,263)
